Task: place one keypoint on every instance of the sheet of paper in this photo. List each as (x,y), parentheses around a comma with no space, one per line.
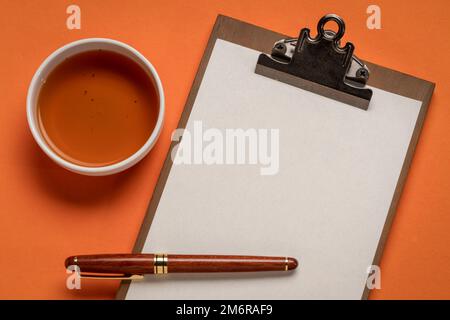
(338,168)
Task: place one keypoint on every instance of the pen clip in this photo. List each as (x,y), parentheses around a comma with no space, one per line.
(112,277)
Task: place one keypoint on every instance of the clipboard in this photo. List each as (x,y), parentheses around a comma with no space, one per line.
(256,38)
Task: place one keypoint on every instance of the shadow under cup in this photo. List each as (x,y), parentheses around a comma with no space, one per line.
(95,106)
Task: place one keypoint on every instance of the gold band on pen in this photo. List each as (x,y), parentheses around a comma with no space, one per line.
(160,262)
(286,264)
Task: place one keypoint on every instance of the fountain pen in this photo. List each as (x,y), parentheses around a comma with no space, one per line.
(134,266)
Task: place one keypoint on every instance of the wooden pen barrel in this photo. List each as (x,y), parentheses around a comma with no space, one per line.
(227,263)
(113,263)
(177,263)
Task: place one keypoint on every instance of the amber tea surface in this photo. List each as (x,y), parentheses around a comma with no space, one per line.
(97,108)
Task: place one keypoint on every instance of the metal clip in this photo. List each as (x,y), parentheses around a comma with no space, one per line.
(112,277)
(319,65)
(357,75)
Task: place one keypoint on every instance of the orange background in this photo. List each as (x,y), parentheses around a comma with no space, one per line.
(47,213)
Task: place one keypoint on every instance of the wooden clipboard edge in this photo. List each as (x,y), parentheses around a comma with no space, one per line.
(260,39)
(428,89)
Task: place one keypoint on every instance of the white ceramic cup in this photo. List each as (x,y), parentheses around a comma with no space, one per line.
(60,55)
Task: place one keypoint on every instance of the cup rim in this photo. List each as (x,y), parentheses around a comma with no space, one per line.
(101,170)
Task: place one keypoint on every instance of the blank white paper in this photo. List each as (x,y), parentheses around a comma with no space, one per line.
(338,169)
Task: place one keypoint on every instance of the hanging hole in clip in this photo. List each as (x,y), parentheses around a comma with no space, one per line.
(335,36)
